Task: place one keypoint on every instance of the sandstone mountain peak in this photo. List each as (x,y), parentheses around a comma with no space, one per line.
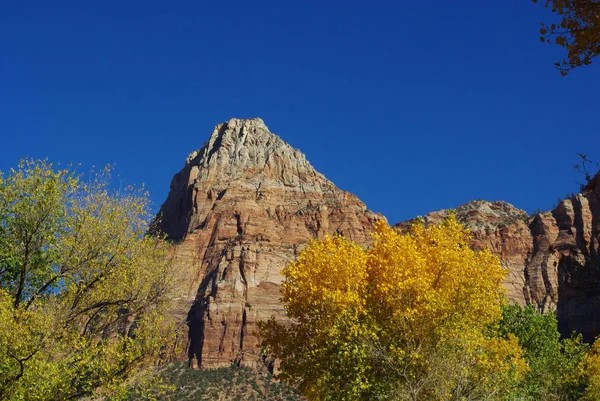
(242,153)
(241,209)
(246,149)
(243,127)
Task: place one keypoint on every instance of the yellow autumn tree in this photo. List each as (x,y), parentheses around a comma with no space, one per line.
(411,318)
(590,370)
(85,294)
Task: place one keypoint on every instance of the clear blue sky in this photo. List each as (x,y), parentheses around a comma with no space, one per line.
(414,106)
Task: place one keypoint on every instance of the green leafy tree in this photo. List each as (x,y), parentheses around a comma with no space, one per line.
(83,291)
(554,363)
(578,31)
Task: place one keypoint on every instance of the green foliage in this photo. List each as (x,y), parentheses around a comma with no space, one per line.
(181,383)
(554,363)
(83,291)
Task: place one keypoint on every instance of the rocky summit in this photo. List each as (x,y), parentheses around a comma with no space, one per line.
(241,209)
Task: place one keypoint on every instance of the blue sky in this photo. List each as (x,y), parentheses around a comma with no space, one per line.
(413,106)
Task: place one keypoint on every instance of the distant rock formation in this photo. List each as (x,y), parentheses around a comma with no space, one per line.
(241,209)
(553,258)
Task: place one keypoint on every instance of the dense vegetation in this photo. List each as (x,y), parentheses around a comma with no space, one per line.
(84,294)
(554,365)
(419,316)
(86,298)
(179,383)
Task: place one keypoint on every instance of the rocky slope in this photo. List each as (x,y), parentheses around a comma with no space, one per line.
(553,258)
(241,209)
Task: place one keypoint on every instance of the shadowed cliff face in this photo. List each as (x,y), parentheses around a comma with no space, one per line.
(241,209)
(552,258)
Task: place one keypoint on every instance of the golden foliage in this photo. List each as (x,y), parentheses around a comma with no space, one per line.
(410,318)
(590,370)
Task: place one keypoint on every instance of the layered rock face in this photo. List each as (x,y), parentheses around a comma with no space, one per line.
(241,209)
(553,258)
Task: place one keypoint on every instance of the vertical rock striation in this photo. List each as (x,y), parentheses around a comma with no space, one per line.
(241,209)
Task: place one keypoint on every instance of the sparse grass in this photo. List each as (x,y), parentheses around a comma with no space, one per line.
(221,384)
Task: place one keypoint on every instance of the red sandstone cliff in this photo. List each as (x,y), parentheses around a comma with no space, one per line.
(241,209)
